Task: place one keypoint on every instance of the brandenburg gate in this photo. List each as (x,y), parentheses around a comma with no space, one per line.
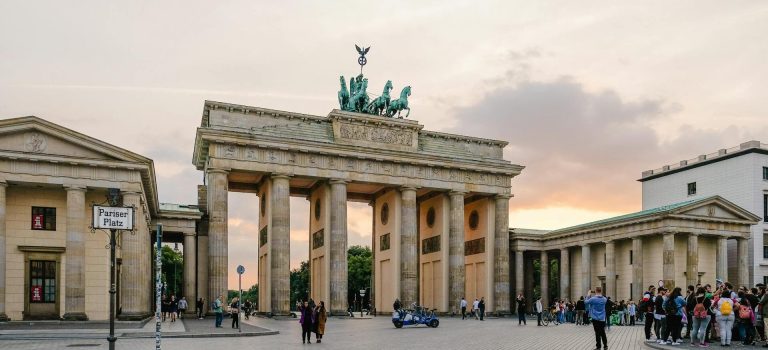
(440,203)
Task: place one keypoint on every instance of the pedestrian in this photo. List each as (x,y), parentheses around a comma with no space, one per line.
(700,318)
(320,319)
(199,305)
(609,305)
(674,310)
(538,308)
(182,306)
(646,307)
(481,307)
(660,325)
(622,309)
(724,315)
(165,307)
(597,311)
(632,312)
(763,312)
(580,311)
(247,305)
(234,311)
(463,305)
(219,311)
(520,309)
(746,319)
(174,309)
(476,309)
(690,303)
(306,320)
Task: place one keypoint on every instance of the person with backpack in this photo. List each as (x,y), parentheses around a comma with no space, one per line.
(660,317)
(745,320)
(724,315)
(580,307)
(673,307)
(700,318)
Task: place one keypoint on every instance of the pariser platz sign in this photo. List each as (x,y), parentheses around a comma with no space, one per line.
(114,218)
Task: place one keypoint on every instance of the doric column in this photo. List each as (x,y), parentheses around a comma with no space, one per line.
(586,268)
(565,274)
(637,268)
(408,246)
(202,272)
(519,272)
(74,306)
(338,241)
(610,269)
(721,259)
(501,256)
(692,265)
(131,287)
(190,271)
(529,282)
(218,188)
(742,263)
(456,273)
(544,278)
(3,264)
(280,254)
(668,269)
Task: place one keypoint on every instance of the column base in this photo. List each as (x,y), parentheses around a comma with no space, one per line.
(75,316)
(502,314)
(4,317)
(134,316)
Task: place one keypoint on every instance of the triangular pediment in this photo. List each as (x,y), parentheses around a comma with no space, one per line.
(715,207)
(34,136)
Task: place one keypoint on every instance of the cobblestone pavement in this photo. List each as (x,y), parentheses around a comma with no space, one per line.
(378,333)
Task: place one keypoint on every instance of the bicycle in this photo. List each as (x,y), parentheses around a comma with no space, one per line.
(549,317)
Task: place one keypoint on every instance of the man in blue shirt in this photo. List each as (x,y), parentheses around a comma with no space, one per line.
(596,304)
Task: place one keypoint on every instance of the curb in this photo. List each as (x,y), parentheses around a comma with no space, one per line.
(140,336)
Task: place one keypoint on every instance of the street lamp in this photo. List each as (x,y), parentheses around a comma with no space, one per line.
(175,291)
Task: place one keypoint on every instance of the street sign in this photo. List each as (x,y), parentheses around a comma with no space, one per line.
(240,269)
(661,283)
(362,292)
(115,218)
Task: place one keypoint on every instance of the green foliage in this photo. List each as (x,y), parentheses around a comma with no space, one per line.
(359,264)
(300,283)
(251,294)
(172,270)
(554,273)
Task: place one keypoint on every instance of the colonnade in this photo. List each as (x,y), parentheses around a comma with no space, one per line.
(589,280)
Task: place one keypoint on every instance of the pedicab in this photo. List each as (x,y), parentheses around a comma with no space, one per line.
(416,316)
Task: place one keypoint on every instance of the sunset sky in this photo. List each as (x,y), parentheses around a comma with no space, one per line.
(588,93)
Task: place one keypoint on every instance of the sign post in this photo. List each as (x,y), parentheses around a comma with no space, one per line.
(113,218)
(158,284)
(240,272)
(362,294)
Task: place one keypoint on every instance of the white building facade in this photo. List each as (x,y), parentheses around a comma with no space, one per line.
(738,174)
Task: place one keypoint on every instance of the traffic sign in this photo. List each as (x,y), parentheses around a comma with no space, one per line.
(240,269)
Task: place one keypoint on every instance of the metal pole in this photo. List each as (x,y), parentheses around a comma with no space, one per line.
(239,300)
(112,292)
(158,284)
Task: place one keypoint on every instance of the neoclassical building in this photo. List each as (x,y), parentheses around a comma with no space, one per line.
(677,245)
(52,265)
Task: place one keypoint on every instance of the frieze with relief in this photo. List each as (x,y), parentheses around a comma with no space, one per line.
(368,166)
(376,134)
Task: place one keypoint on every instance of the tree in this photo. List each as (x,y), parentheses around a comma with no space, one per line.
(300,283)
(172,270)
(359,264)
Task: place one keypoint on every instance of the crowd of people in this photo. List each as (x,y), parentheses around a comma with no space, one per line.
(172,308)
(706,314)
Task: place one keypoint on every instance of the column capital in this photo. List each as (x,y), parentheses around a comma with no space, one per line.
(408,188)
(130,193)
(3,183)
(609,241)
(217,171)
(457,193)
(669,233)
(503,196)
(82,188)
(566,249)
(585,245)
(338,181)
(694,234)
(279,176)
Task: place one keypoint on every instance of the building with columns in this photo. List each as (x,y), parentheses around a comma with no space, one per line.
(739,174)
(52,265)
(679,244)
(439,201)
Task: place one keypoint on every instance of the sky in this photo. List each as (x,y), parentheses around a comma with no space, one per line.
(588,94)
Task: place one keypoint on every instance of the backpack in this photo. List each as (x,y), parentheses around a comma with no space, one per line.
(670,307)
(213,305)
(744,312)
(700,312)
(726,309)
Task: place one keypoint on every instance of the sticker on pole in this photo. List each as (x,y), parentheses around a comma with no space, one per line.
(240,269)
(116,218)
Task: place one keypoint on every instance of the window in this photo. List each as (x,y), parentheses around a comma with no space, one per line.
(430,245)
(263,236)
(475,246)
(765,173)
(765,246)
(42,281)
(44,218)
(318,238)
(631,257)
(691,188)
(765,207)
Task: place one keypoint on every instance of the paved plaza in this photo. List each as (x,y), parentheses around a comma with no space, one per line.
(378,333)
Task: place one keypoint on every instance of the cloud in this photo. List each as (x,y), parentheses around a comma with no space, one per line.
(584,149)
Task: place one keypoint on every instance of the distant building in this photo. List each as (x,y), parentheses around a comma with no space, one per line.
(738,174)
